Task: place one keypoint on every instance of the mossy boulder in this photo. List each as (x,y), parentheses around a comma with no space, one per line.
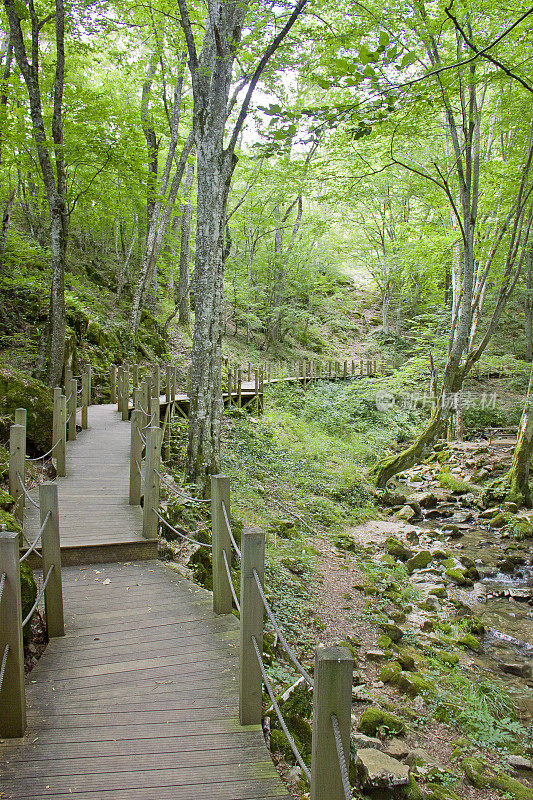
(458,576)
(419,561)
(394,632)
(397,549)
(297,708)
(286,528)
(470,642)
(412,791)
(374,721)
(202,567)
(448,658)
(344,542)
(6,501)
(485,776)
(412,684)
(18,390)
(28,591)
(390,672)
(8,522)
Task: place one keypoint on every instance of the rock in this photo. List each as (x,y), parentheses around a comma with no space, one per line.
(6,501)
(282,527)
(498,521)
(470,642)
(418,561)
(394,632)
(405,514)
(407,662)
(490,513)
(375,721)
(390,672)
(458,576)
(412,683)
(427,499)
(376,655)
(515,668)
(18,390)
(510,507)
(450,659)
(376,770)
(412,791)
(360,742)
(397,549)
(441,793)
(438,591)
(484,776)
(397,749)
(519,762)
(415,505)
(345,542)
(393,499)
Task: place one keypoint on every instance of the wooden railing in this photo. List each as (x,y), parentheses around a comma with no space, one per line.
(332,682)
(15,549)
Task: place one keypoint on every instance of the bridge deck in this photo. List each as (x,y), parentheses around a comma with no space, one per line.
(139,700)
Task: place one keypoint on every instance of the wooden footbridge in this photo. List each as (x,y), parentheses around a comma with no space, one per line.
(150,688)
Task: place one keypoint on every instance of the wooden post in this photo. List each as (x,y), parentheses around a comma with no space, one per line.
(345,370)
(113,382)
(53,594)
(261,389)
(72,403)
(249,371)
(135,376)
(142,403)
(230,387)
(68,376)
(13,705)
(361,367)
(332,695)
(59,432)
(89,371)
(147,383)
(250,681)
(21,417)
(126,395)
(353,367)
(151,483)
(166,432)
(17,466)
(168,383)
(136,454)
(120,370)
(222,598)
(156,382)
(85,397)
(155,408)
(256,388)
(239,387)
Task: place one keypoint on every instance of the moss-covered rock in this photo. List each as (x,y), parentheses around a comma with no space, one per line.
(438,792)
(18,390)
(449,658)
(412,791)
(419,561)
(397,549)
(484,776)
(390,672)
(286,528)
(202,567)
(412,684)
(458,576)
(374,721)
(344,542)
(28,591)
(394,632)
(8,522)
(470,642)
(6,501)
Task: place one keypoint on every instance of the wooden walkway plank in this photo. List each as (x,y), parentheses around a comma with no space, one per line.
(139,700)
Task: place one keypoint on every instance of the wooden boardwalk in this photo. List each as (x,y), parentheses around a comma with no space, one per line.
(139,701)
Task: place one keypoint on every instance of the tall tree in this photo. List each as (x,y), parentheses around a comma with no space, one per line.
(211,68)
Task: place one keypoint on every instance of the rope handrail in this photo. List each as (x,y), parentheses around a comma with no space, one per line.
(177,493)
(231,586)
(228,526)
(2,584)
(70,416)
(183,535)
(139,468)
(32,547)
(29,497)
(68,398)
(140,407)
(342,759)
(38,458)
(290,652)
(3,666)
(143,438)
(282,722)
(149,425)
(38,598)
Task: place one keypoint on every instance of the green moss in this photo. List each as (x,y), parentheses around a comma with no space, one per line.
(8,522)
(6,501)
(441,793)
(450,659)
(374,721)
(419,561)
(412,683)
(390,672)
(458,576)
(470,642)
(484,776)
(412,791)
(18,390)
(344,542)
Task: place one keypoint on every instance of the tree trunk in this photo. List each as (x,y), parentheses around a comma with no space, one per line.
(184,313)
(528,308)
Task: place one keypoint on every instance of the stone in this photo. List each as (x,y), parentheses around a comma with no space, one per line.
(18,390)
(390,672)
(6,501)
(283,527)
(512,508)
(489,513)
(450,659)
(397,749)
(360,742)
(440,793)
(427,500)
(376,655)
(519,762)
(412,683)
(393,499)
(405,514)
(458,576)
(406,661)
(376,770)
(514,668)
(374,721)
(470,642)
(397,549)
(484,776)
(419,561)
(394,632)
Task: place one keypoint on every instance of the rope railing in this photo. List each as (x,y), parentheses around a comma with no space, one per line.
(3,665)
(177,493)
(231,586)
(2,584)
(26,493)
(290,652)
(230,532)
(38,598)
(277,709)
(49,452)
(143,438)
(347,789)
(179,533)
(32,547)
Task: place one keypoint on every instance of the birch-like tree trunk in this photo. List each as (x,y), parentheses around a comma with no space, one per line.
(54,179)
(184,305)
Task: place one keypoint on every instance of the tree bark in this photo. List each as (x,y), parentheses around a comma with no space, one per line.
(184,308)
